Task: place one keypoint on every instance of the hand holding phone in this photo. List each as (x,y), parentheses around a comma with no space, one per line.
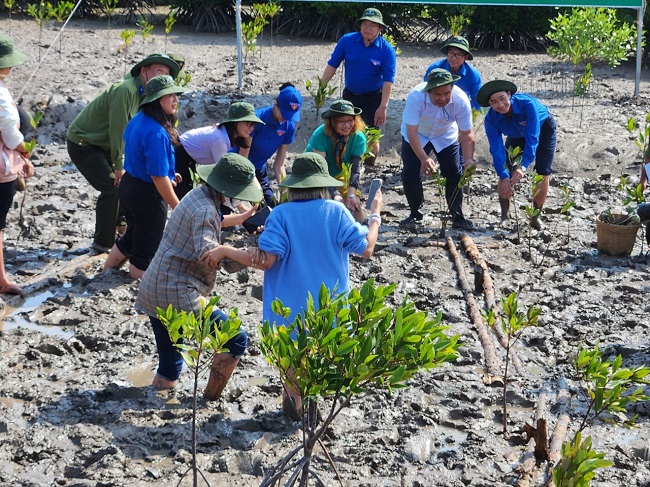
(374,186)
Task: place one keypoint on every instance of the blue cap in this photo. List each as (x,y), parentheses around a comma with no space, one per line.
(289,102)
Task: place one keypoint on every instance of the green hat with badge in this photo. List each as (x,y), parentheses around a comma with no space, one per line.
(459,42)
(373,15)
(159,86)
(233,176)
(439,77)
(309,170)
(163,59)
(9,55)
(492,87)
(341,107)
(242,111)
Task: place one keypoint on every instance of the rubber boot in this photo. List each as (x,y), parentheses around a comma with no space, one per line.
(455,203)
(535,222)
(505,210)
(415,198)
(222,368)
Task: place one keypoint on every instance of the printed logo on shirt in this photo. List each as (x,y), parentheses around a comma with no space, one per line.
(375,62)
(280,132)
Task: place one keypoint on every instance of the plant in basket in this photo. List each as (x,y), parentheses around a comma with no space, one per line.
(616,232)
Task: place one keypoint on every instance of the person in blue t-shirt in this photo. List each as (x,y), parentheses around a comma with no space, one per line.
(456,50)
(274,137)
(306,243)
(147,187)
(370,63)
(526,123)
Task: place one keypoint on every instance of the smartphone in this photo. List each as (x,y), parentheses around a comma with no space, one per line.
(257,220)
(374,186)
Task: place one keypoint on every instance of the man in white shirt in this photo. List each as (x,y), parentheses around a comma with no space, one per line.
(437,118)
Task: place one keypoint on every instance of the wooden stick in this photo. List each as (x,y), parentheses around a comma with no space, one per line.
(492,363)
(488,291)
(537,447)
(560,431)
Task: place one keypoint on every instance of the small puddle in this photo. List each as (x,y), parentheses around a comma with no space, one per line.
(258,381)
(433,441)
(13,320)
(141,375)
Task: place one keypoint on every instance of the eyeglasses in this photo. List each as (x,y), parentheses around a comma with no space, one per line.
(456,55)
(344,122)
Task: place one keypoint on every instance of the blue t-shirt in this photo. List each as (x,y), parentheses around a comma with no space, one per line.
(366,68)
(148,150)
(268,138)
(312,240)
(528,115)
(322,142)
(470,79)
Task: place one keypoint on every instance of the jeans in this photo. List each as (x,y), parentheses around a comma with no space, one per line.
(170,361)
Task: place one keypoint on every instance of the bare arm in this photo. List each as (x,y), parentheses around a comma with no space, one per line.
(328,73)
(467,141)
(373,224)
(278,164)
(166,190)
(380,114)
(244,151)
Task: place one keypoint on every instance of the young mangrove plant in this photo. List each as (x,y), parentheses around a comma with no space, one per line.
(198,339)
(346,344)
(513,323)
(640,134)
(146,28)
(109,7)
(127,36)
(608,389)
(9,5)
(170,21)
(40,13)
(320,91)
(60,14)
(373,135)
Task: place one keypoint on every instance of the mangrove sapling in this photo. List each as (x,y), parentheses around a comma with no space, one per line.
(249,32)
(373,135)
(608,389)
(344,345)
(532,211)
(40,13)
(458,23)
(320,91)
(127,36)
(146,28)
(567,203)
(267,11)
(513,324)
(60,13)
(640,134)
(444,213)
(198,339)
(170,21)
(109,7)
(9,4)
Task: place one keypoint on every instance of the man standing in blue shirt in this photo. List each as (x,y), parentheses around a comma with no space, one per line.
(369,69)
(456,50)
(527,124)
(274,137)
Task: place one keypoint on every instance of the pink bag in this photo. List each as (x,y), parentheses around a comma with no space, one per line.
(11,162)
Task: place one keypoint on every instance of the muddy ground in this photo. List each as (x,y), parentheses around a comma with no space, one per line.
(76,359)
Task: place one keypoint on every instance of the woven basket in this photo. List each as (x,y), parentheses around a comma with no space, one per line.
(616,239)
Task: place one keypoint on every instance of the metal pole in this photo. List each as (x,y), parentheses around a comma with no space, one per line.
(639,47)
(240,76)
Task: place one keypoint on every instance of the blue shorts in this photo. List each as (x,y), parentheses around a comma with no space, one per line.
(545,150)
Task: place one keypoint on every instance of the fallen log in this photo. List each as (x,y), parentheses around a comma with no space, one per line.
(493,365)
(487,288)
(537,450)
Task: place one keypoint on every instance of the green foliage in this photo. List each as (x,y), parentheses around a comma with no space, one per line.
(567,203)
(108,7)
(127,36)
(34,120)
(249,32)
(458,23)
(590,35)
(609,387)
(320,91)
(513,323)
(170,21)
(582,83)
(373,135)
(61,11)
(39,12)
(30,145)
(146,28)
(353,341)
(640,134)
(579,463)
(183,79)
(391,40)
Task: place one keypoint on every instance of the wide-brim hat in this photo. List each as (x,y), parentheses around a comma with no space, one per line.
(9,55)
(163,59)
(341,107)
(233,176)
(458,42)
(439,77)
(309,170)
(492,87)
(242,111)
(289,103)
(159,86)
(373,15)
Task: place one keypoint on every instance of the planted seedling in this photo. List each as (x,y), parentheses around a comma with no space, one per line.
(249,31)
(146,28)
(640,134)
(9,4)
(320,91)
(373,135)
(578,463)
(198,339)
(268,11)
(513,324)
(170,21)
(346,344)
(109,7)
(60,13)
(40,13)
(127,36)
